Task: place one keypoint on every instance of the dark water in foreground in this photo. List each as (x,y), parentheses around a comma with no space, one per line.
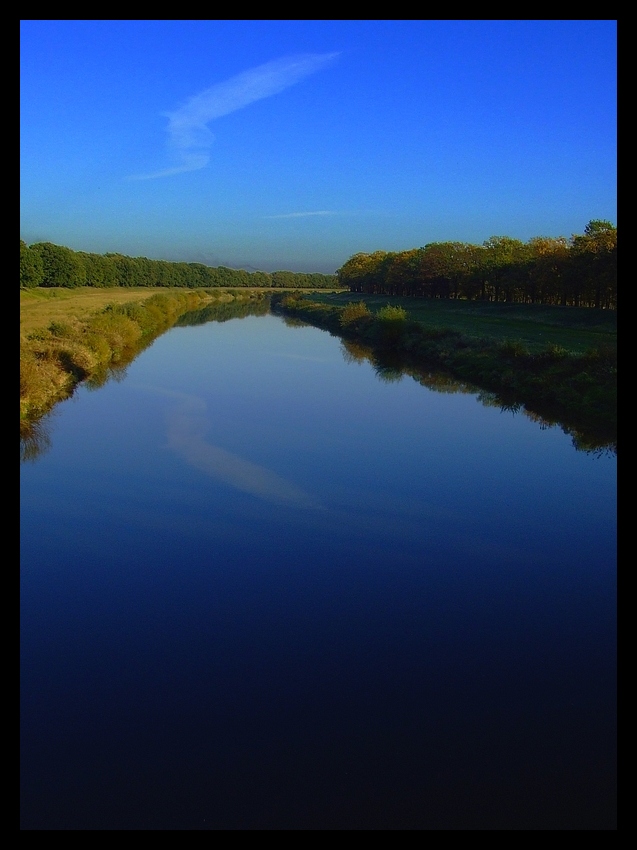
(263,589)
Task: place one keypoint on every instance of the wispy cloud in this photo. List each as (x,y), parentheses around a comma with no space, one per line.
(188,135)
(303,214)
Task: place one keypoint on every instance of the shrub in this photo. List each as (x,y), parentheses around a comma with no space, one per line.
(552,354)
(39,334)
(53,361)
(392,314)
(76,360)
(291,299)
(99,346)
(352,311)
(60,329)
(40,380)
(120,332)
(513,348)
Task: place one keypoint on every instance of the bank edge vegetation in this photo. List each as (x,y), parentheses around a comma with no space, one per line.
(55,359)
(578,272)
(578,391)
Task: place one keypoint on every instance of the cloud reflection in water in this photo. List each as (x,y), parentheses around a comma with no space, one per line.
(186,429)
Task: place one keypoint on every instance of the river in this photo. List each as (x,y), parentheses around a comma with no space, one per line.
(265,585)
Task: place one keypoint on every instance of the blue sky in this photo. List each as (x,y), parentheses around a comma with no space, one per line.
(295,144)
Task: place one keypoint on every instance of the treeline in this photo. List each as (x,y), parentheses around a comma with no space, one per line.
(580,271)
(46,264)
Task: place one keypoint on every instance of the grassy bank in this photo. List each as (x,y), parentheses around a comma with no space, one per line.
(571,381)
(535,326)
(41,306)
(560,363)
(68,336)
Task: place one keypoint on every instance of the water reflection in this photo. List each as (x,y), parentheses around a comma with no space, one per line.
(187,425)
(391,366)
(256,305)
(35,438)
(204,647)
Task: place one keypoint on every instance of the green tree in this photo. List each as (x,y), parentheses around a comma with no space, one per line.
(363,272)
(445,265)
(124,269)
(61,266)
(31,267)
(99,270)
(502,254)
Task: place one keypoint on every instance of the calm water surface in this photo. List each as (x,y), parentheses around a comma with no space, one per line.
(263,589)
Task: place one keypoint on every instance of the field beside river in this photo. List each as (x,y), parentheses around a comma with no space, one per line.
(575,329)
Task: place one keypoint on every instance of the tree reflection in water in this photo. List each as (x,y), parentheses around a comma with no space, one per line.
(391,366)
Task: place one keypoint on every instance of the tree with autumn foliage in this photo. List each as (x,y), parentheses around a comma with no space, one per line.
(580,272)
(547,267)
(594,263)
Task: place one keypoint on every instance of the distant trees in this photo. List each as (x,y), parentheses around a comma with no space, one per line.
(60,266)
(99,271)
(546,269)
(580,271)
(595,263)
(46,264)
(31,267)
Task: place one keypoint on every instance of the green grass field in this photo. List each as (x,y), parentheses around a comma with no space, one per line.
(536,326)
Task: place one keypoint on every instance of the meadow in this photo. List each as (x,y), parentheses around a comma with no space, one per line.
(575,329)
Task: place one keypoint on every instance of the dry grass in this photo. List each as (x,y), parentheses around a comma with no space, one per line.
(69,335)
(39,307)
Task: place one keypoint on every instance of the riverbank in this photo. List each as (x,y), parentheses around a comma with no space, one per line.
(578,391)
(72,336)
